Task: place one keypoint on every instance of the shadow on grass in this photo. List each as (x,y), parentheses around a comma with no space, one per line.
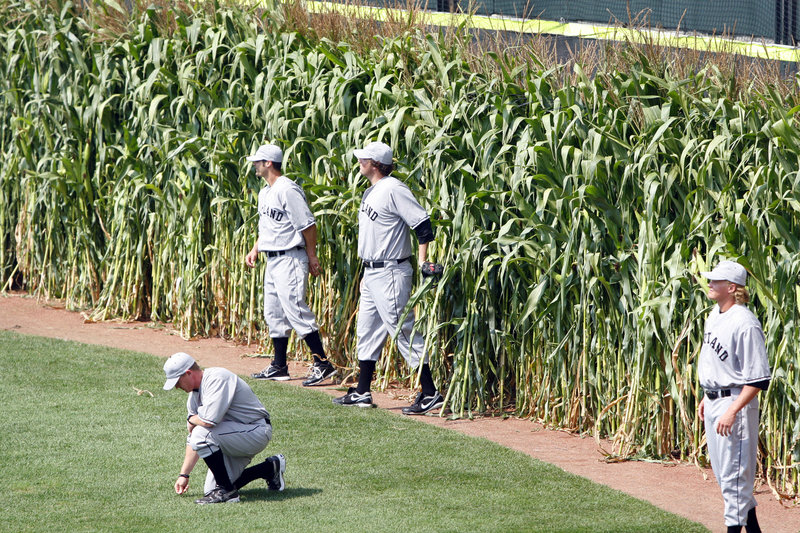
(271,495)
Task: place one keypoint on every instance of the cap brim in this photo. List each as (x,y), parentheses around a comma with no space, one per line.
(170,383)
(362,154)
(254,158)
(713,277)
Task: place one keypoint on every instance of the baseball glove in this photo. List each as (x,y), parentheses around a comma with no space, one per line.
(431,270)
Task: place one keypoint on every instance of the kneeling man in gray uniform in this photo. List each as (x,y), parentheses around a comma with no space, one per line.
(228,425)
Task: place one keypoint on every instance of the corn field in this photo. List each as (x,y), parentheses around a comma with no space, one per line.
(573,212)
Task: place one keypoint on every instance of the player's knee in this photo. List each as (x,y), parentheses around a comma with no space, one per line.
(200,441)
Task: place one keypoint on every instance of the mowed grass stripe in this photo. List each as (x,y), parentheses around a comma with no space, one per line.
(88,453)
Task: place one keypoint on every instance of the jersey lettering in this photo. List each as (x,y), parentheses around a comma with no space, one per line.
(371,213)
(718,349)
(273,213)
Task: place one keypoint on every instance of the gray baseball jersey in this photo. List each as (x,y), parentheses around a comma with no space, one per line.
(225,396)
(733,355)
(388,210)
(283,215)
(240,429)
(733,352)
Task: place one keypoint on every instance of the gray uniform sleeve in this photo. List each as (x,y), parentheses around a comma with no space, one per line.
(218,394)
(407,206)
(297,208)
(755,364)
(191,404)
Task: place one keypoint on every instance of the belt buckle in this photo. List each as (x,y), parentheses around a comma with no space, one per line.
(712,394)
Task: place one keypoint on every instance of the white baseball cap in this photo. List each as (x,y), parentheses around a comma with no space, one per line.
(376,151)
(267,152)
(175,367)
(728,271)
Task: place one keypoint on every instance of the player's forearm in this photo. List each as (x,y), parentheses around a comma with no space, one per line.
(422,253)
(310,236)
(189,461)
(197,421)
(746,396)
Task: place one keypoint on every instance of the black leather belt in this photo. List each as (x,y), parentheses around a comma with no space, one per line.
(714,394)
(267,421)
(381,264)
(283,252)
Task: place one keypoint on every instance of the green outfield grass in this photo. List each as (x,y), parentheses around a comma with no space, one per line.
(82,451)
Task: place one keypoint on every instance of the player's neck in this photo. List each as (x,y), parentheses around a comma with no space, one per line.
(726,304)
(375,178)
(272,177)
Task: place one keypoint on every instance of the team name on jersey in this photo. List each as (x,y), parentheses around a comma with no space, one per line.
(273,213)
(715,346)
(367,210)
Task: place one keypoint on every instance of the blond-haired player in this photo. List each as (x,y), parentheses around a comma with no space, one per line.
(733,369)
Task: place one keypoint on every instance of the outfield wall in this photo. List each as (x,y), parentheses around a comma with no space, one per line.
(573,32)
(773,20)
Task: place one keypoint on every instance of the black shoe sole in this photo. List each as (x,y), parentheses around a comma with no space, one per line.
(362,405)
(281,484)
(275,378)
(235,499)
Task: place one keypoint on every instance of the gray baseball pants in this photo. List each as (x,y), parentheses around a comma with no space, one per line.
(384,295)
(285,307)
(733,458)
(239,444)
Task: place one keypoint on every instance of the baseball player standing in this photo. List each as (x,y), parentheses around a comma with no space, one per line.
(733,369)
(287,234)
(388,210)
(228,426)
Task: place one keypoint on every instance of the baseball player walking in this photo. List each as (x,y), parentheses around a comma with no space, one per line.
(733,369)
(388,210)
(287,234)
(228,426)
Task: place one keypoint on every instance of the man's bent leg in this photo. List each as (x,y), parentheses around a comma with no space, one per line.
(238,443)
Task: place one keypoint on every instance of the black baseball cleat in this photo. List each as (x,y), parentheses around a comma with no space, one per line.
(219,495)
(275,373)
(424,404)
(354,399)
(279,467)
(319,373)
